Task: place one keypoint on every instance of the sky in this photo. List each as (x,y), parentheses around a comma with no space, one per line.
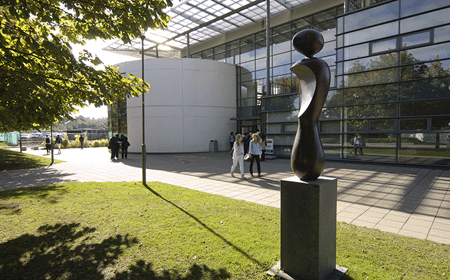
(108,58)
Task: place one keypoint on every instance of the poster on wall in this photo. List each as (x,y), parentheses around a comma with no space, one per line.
(269,146)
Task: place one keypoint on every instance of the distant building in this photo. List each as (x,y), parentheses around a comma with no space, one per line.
(390,65)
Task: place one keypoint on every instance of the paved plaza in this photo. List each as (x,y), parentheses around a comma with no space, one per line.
(406,200)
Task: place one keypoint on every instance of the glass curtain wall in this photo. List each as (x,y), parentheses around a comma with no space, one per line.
(393,84)
(275,115)
(117,117)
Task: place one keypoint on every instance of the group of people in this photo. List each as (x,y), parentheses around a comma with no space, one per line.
(48,143)
(116,143)
(252,146)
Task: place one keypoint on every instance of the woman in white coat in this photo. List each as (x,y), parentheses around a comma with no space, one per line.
(238,155)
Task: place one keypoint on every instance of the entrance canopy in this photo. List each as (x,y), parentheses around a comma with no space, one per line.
(195,21)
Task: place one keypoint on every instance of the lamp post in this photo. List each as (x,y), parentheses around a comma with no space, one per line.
(144,152)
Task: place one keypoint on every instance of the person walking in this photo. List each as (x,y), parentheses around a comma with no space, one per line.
(58,142)
(231,139)
(255,150)
(81,140)
(357,143)
(238,156)
(48,144)
(114,145)
(124,145)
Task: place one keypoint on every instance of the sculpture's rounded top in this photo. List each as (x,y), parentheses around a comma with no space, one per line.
(308,42)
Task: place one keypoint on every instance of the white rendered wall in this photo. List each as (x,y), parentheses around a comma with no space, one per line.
(190,102)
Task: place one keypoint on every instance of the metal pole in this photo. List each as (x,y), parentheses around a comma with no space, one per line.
(51,143)
(268,91)
(187,46)
(144,152)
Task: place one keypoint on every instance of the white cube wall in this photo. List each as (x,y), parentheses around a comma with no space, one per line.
(190,102)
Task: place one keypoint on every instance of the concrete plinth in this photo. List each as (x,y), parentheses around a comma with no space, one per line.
(308,227)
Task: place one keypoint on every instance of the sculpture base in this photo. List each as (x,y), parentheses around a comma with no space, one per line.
(337,274)
(308,227)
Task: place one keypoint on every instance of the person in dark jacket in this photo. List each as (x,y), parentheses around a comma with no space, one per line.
(248,138)
(124,145)
(114,145)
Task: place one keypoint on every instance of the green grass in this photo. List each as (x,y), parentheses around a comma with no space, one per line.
(129,231)
(11,160)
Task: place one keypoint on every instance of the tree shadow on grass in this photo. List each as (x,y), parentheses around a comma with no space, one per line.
(69,252)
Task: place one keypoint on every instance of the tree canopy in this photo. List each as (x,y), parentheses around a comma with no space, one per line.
(41,81)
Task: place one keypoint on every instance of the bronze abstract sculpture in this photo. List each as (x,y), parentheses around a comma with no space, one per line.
(307,157)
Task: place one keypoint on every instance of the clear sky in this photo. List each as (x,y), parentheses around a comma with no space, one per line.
(108,58)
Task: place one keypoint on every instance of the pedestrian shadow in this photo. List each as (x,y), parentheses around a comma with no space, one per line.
(67,251)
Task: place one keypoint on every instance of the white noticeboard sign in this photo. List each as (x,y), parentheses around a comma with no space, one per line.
(269,146)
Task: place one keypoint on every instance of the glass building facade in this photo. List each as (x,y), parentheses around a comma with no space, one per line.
(390,67)
(117,117)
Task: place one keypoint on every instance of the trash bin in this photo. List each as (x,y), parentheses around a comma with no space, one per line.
(213,146)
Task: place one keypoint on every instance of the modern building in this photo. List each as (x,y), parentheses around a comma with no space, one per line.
(390,65)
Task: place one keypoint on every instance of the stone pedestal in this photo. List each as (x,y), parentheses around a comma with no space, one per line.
(308,228)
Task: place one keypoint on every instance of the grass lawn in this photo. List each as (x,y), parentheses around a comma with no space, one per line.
(129,231)
(11,160)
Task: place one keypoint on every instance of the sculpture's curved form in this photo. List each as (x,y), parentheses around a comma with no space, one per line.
(307,157)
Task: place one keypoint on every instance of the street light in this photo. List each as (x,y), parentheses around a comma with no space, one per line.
(144,152)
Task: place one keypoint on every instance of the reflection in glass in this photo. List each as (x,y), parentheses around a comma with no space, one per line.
(333,126)
(442,34)
(440,123)
(372,77)
(330,139)
(287,103)
(371,111)
(261,64)
(328,49)
(425,20)
(282,59)
(370,94)
(372,16)
(356,126)
(274,128)
(356,51)
(434,52)
(425,89)
(381,139)
(416,39)
(281,70)
(282,116)
(290,127)
(382,125)
(329,35)
(334,98)
(371,63)
(282,46)
(372,33)
(281,84)
(249,66)
(415,7)
(333,113)
(425,70)
(385,45)
(296,56)
(414,124)
(423,108)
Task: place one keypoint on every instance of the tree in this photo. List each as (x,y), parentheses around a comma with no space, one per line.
(41,81)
